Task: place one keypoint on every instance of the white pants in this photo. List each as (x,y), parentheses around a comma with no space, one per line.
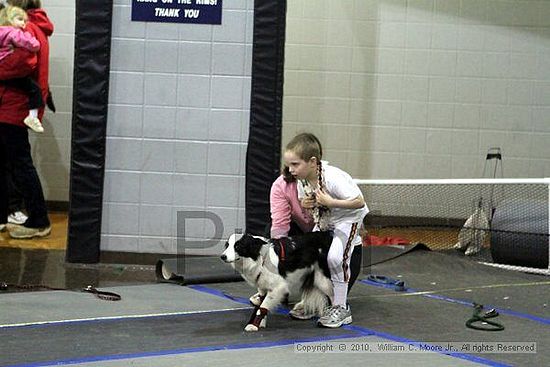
(346,236)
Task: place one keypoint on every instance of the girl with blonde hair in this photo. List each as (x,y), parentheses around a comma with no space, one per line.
(12,34)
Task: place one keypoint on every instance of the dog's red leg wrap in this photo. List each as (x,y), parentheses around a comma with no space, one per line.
(253,315)
(259,316)
(255,310)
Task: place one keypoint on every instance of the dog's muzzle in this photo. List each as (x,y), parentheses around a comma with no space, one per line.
(228,260)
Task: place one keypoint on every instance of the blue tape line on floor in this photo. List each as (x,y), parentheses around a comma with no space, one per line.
(538,319)
(279,343)
(357,332)
(368,332)
(469,357)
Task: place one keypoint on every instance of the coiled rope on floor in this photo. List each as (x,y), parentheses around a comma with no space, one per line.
(483,318)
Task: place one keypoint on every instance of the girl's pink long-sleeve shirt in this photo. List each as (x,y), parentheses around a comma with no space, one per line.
(285,207)
(11,37)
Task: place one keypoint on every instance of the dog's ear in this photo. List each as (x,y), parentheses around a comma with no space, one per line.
(234,238)
(249,246)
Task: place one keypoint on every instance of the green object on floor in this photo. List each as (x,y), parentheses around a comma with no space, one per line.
(484,319)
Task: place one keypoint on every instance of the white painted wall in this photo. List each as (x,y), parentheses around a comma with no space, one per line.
(177,129)
(421,88)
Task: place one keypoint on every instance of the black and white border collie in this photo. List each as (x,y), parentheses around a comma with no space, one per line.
(292,266)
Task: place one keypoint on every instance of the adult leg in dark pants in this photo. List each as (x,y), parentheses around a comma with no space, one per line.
(14,141)
(15,199)
(3,187)
(13,195)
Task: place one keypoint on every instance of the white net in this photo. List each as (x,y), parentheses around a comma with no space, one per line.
(500,221)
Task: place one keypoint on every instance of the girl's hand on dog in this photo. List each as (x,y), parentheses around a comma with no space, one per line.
(308,202)
(324,199)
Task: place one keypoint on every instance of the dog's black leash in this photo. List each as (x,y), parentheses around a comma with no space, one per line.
(484,319)
(106,296)
(103,295)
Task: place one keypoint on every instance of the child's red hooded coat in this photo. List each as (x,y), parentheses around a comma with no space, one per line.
(14,103)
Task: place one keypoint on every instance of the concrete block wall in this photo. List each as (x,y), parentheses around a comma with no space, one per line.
(177,128)
(421,88)
(51,150)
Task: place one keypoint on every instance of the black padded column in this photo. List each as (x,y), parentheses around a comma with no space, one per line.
(264,142)
(89,125)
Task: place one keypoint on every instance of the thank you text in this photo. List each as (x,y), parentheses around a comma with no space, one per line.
(177,11)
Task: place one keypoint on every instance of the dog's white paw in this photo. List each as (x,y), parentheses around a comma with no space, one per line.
(251,327)
(263,323)
(256,299)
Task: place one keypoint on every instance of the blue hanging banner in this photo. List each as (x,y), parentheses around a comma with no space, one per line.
(177,11)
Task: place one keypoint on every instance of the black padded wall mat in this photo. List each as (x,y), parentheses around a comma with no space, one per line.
(90,103)
(264,141)
(89,125)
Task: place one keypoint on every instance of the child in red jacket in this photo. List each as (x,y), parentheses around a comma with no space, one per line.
(15,147)
(12,22)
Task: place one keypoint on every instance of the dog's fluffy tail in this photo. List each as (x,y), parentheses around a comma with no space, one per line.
(314,301)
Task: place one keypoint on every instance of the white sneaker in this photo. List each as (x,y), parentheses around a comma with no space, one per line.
(19,231)
(336,316)
(34,124)
(17,217)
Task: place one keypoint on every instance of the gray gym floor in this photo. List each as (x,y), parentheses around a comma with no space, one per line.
(197,325)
